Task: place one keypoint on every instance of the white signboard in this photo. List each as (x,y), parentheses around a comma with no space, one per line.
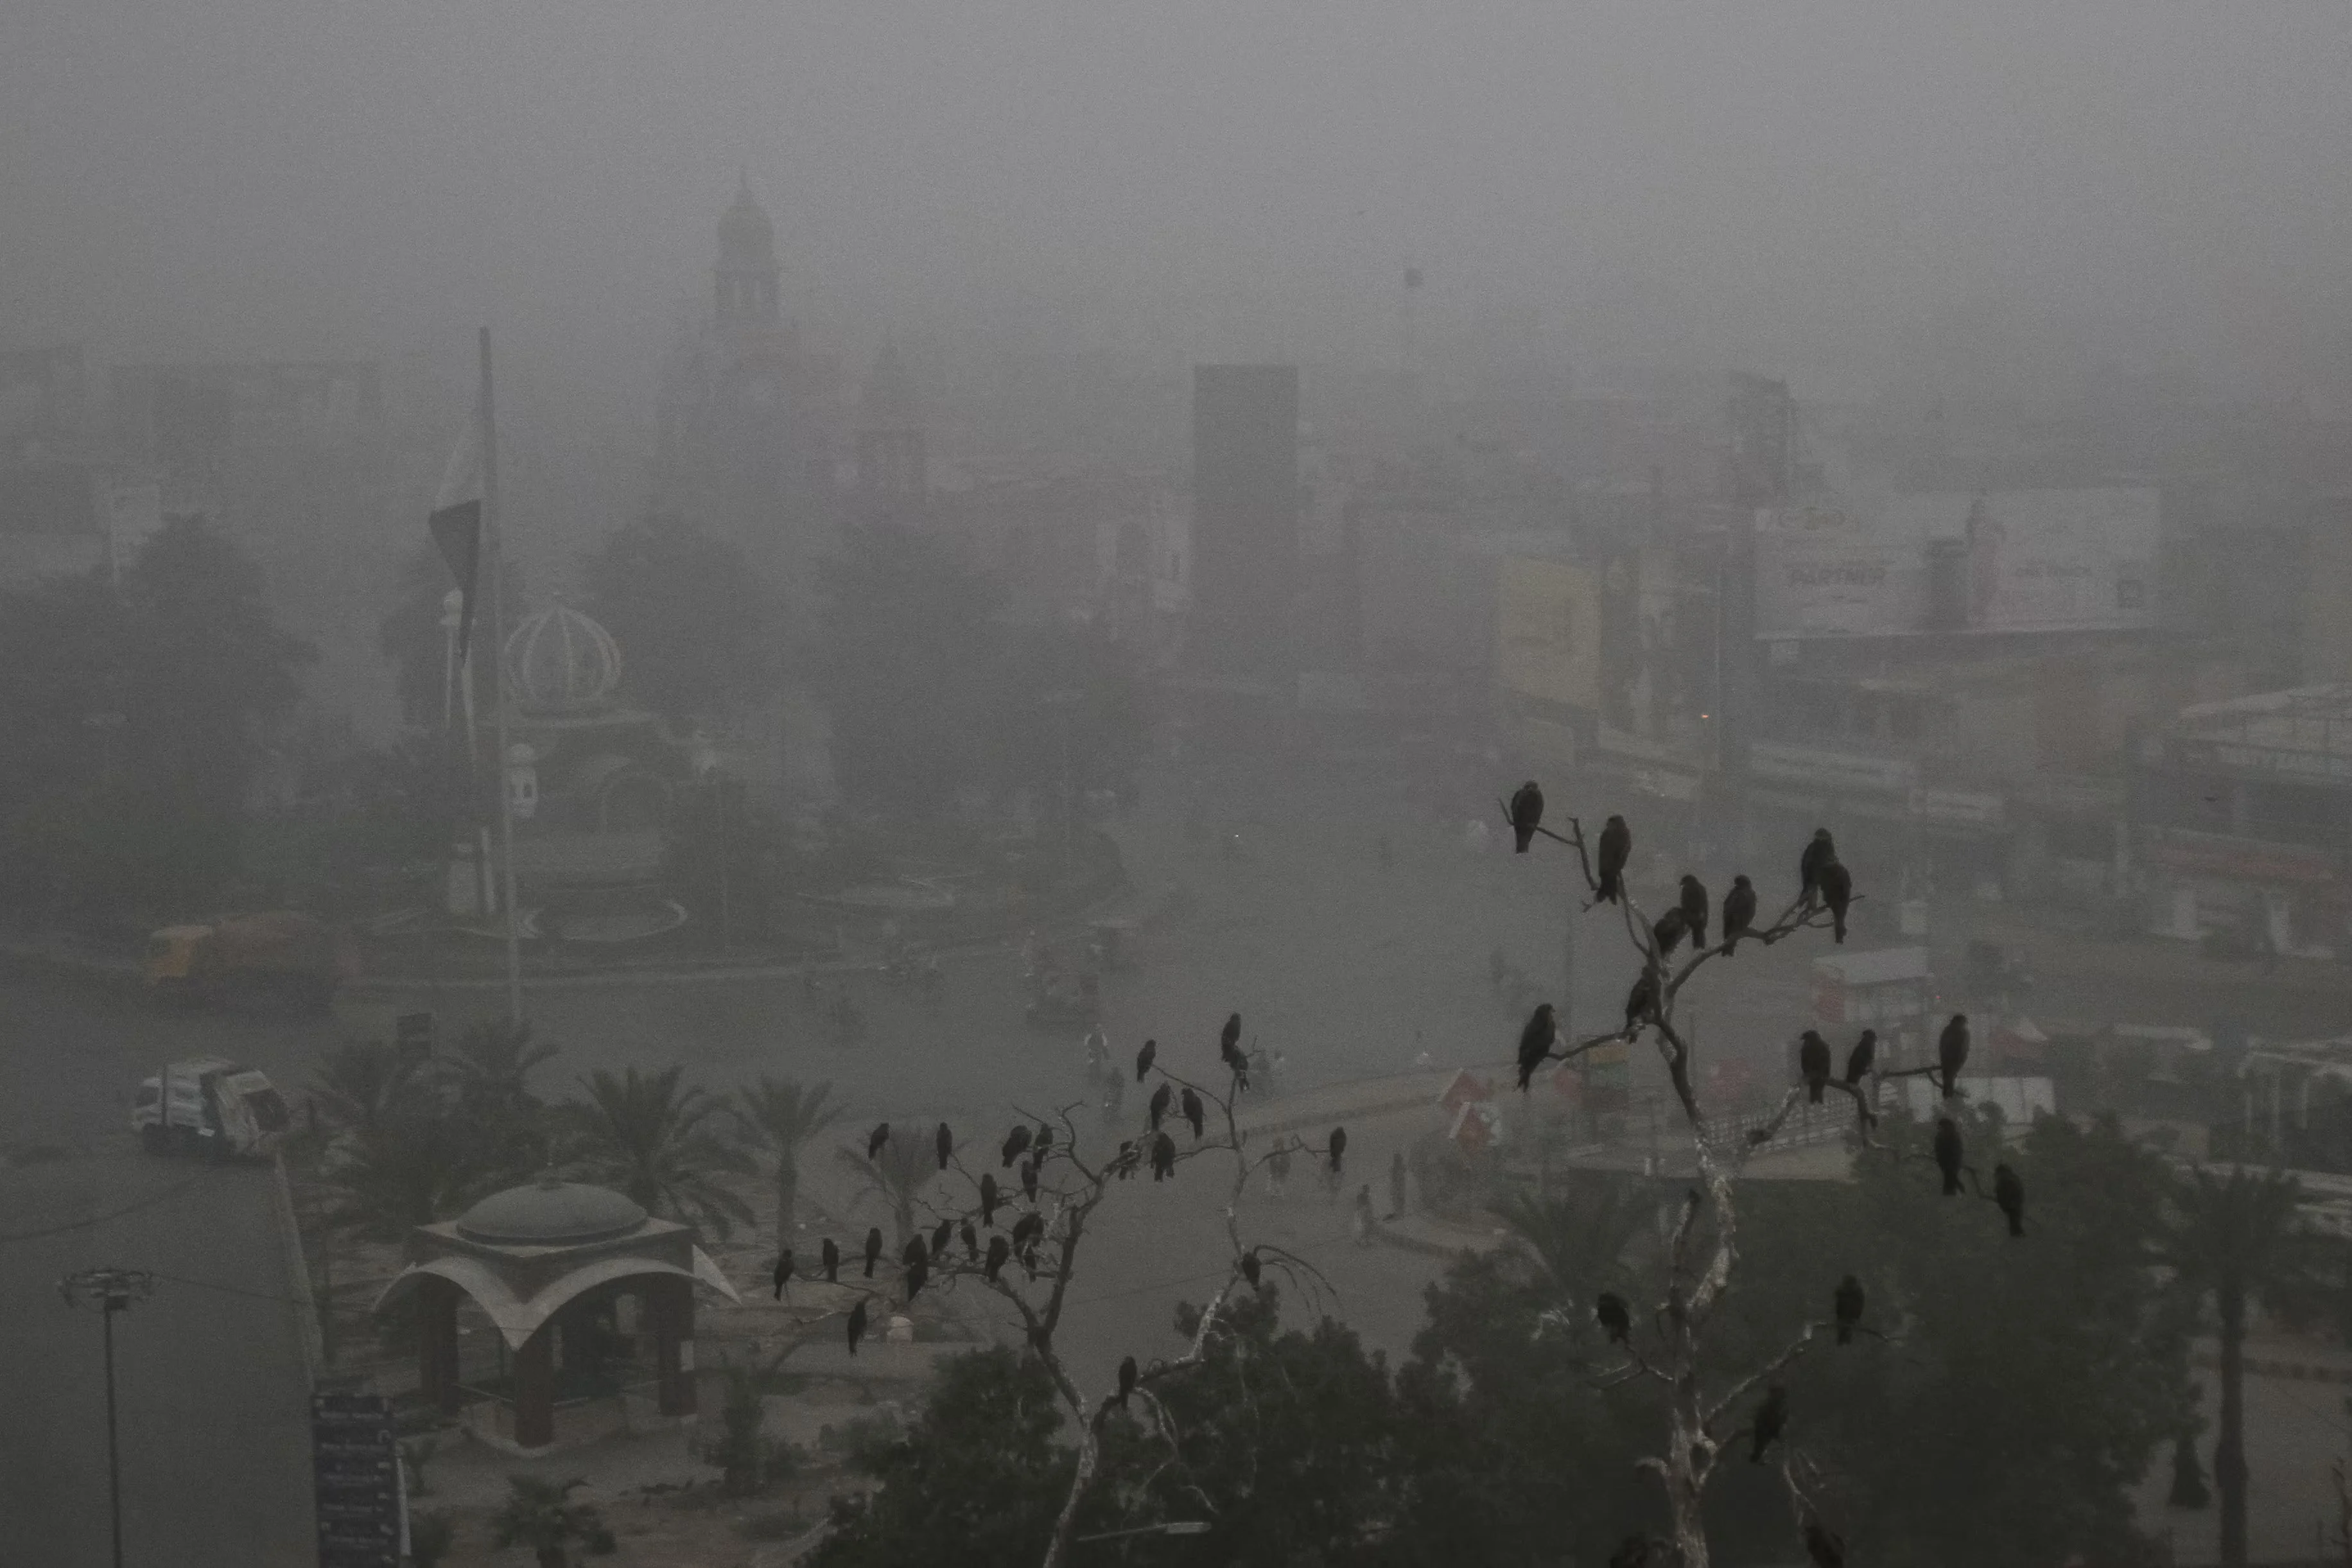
(2019,560)
(1834,770)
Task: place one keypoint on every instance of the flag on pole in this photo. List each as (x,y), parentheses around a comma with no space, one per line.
(456,522)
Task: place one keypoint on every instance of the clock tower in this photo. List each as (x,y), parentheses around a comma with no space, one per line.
(749,418)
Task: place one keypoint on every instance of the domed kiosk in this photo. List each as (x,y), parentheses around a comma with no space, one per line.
(543,1262)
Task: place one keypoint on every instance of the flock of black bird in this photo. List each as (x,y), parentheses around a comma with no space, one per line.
(1029,1147)
(1823,881)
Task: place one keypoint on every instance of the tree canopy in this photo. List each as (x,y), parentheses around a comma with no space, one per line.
(137,715)
(930,691)
(690,615)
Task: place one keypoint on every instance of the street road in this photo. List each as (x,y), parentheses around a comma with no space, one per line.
(213,1393)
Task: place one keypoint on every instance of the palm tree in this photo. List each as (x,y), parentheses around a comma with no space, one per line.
(2238,1238)
(541,1514)
(406,1169)
(1579,1236)
(644,1134)
(489,1073)
(779,1115)
(491,1063)
(361,1083)
(896,1176)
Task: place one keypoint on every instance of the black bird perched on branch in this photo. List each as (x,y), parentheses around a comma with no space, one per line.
(1847,1304)
(1826,1546)
(1610,1310)
(1770,1417)
(989,1196)
(1163,1157)
(1229,1038)
(1859,1060)
(1949,1155)
(873,1248)
(1126,1378)
(999,1250)
(1738,913)
(945,1140)
(1161,1099)
(1143,1058)
(856,1325)
(1695,907)
(1043,1141)
(1642,998)
(832,1257)
(1952,1053)
(941,1233)
(1813,1063)
(876,1139)
(1820,851)
(783,1274)
(1252,1268)
(1338,1146)
(915,1261)
(1668,929)
(2009,1191)
(1193,1112)
(1027,1229)
(1029,1180)
(1527,815)
(1123,1163)
(1837,891)
(1016,1143)
(971,1241)
(1616,848)
(1535,1042)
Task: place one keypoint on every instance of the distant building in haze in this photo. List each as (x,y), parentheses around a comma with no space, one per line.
(1245,511)
(748,415)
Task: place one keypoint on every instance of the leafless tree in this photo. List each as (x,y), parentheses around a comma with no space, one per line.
(1072,1185)
(1703,1249)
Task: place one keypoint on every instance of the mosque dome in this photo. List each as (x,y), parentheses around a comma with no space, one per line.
(561,661)
(550,1214)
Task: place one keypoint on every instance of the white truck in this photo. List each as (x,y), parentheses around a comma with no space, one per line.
(208,1106)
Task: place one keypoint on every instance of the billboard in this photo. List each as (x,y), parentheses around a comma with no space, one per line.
(1547,631)
(1958,561)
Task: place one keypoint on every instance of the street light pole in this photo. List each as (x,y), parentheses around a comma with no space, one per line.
(110,1291)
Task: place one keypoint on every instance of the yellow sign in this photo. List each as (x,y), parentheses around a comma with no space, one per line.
(1547,631)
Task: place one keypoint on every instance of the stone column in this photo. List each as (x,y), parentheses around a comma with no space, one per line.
(437,1342)
(669,1302)
(534,1389)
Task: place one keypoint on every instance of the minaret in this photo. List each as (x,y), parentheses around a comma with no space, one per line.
(744,281)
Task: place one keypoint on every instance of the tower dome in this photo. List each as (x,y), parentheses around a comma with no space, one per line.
(746,236)
(561,661)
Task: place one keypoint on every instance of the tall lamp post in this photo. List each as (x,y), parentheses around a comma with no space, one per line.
(110,1291)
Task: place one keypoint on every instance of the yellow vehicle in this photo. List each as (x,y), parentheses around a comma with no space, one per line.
(283,953)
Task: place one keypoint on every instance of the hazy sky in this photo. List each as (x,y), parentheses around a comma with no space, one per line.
(1802,186)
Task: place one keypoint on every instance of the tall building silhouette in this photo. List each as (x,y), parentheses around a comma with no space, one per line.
(1245,501)
(748,415)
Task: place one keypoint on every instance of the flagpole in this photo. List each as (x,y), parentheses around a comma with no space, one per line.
(492,541)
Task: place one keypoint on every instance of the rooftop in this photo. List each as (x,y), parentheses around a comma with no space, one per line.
(550,1213)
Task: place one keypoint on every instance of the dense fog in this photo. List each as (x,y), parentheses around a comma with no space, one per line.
(1018,783)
